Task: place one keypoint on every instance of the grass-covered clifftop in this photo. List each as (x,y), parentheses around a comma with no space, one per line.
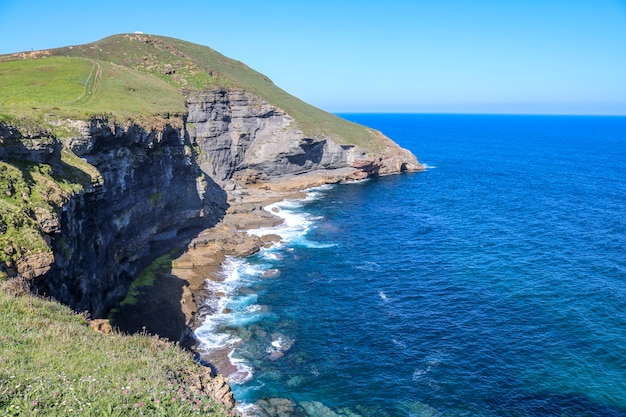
(50,362)
(80,88)
(135,76)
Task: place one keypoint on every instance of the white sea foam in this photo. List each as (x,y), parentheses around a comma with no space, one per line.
(398,343)
(383,296)
(426,166)
(418,374)
(244,372)
(296,224)
(317,192)
(236,309)
(210,338)
(369,266)
(239,319)
(230,308)
(247,410)
(230,268)
(307,243)
(272,256)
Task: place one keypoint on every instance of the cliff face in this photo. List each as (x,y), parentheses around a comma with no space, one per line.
(239,133)
(158,184)
(242,137)
(150,192)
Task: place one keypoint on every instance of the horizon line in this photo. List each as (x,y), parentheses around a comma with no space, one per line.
(483,113)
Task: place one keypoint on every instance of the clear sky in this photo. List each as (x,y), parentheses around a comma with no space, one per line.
(472,56)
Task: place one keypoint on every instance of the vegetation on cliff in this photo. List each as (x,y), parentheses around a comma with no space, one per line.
(133,76)
(53,364)
(123,79)
(121,104)
(30,195)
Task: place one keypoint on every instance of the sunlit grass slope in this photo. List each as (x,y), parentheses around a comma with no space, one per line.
(136,75)
(80,87)
(52,364)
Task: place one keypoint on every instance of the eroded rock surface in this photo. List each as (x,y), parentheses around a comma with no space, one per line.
(158,187)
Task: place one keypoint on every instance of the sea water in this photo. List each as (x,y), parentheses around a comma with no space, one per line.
(491,284)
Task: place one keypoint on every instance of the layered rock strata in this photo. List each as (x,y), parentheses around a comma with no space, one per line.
(159,186)
(242,138)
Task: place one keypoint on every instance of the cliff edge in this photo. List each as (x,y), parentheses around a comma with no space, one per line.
(117,152)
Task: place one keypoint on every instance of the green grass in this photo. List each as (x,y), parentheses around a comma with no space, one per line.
(52,364)
(28,190)
(44,82)
(48,89)
(131,94)
(146,279)
(149,75)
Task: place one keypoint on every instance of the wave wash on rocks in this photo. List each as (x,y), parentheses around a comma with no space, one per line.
(84,212)
(156,184)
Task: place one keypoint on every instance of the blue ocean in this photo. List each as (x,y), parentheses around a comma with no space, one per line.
(491,284)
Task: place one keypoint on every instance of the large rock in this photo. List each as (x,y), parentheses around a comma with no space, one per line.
(37,146)
(278,407)
(236,131)
(242,136)
(215,386)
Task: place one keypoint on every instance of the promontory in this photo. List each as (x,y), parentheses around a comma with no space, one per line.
(117,153)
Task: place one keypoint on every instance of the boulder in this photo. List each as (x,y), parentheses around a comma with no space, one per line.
(101,326)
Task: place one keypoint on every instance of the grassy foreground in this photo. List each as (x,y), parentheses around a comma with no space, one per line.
(53,364)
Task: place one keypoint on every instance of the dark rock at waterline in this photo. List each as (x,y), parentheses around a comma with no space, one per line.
(278,407)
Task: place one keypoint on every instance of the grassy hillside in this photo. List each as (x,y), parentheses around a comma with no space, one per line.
(57,87)
(134,76)
(52,364)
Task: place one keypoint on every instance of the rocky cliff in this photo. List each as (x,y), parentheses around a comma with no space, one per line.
(158,185)
(147,193)
(151,192)
(241,137)
(160,141)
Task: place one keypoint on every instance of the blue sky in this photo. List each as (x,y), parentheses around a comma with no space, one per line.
(470,56)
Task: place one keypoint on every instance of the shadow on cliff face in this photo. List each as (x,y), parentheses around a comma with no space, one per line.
(156,309)
(153,198)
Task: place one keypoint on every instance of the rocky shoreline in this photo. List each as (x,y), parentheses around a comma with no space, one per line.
(174,306)
(160,202)
(127,217)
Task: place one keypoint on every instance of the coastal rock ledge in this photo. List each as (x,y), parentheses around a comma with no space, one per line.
(149,188)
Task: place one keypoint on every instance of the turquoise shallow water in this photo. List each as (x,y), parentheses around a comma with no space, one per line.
(492,284)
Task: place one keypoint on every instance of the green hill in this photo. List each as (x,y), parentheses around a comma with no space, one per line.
(136,76)
(51,362)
